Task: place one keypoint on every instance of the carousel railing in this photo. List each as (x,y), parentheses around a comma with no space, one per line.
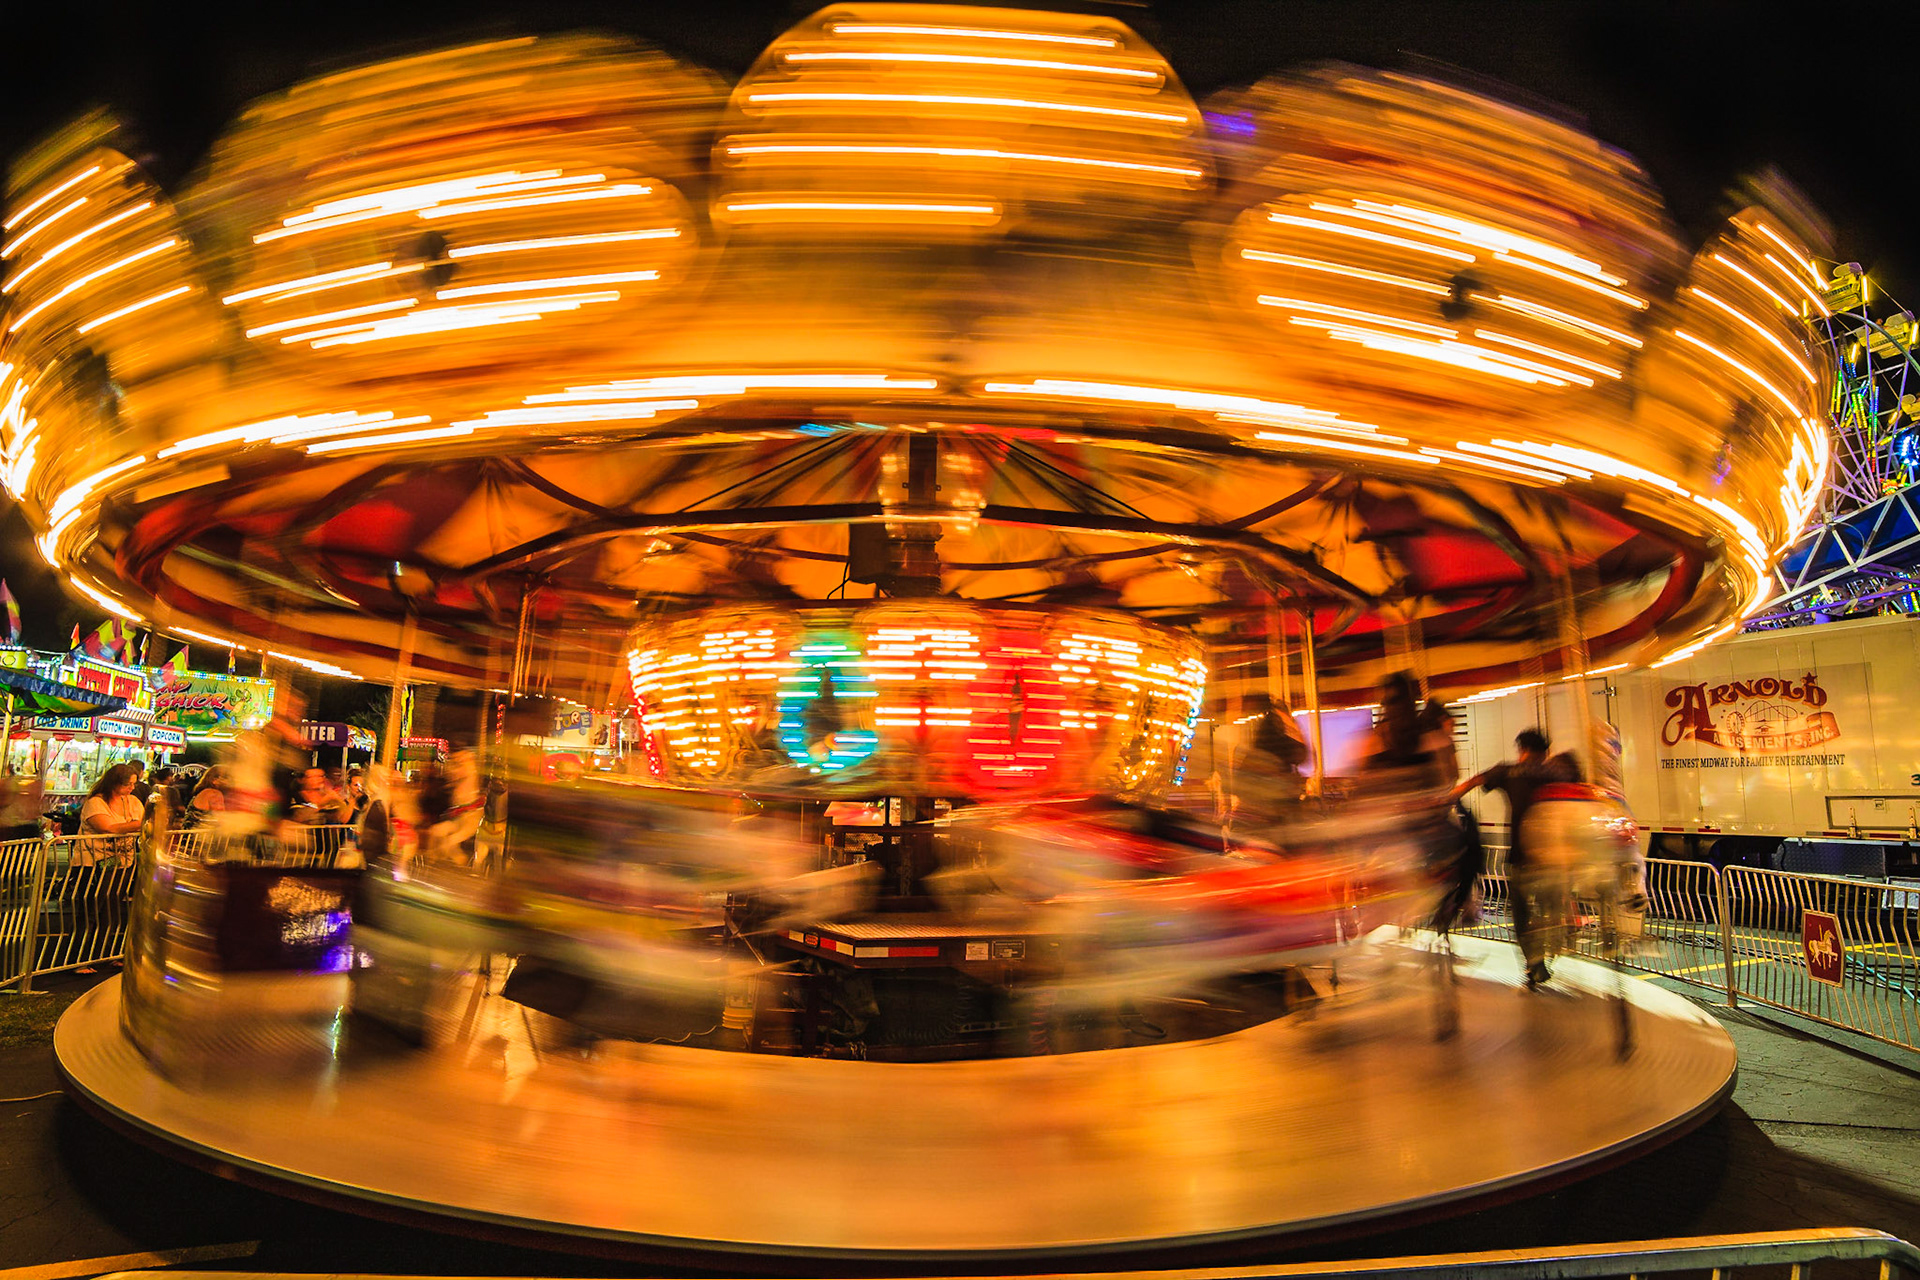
(64,904)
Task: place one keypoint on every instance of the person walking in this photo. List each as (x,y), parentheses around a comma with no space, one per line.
(1520,780)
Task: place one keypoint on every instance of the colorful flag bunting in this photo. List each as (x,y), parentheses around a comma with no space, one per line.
(13,613)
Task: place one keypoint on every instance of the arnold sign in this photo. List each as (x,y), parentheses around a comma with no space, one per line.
(1767,715)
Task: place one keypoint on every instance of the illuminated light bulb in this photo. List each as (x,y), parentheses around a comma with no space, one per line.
(1365,233)
(1549,352)
(1592,286)
(970,33)
(330,280)
(324,317)
(1340,269)
(104,600)
(24,317)
(1137,74)
(615,191)
(561,242)
(1345,446)
(901,210)
(1798,255)
(19,242)
(13,282)
(1493,464)
(558,282)
(956,153)
(388,440)
(977,100)
(1757,283)
(1753,375)
(27,210)
(1565,320)
(1348,313)
(69,501)
(1757,328)
(130,308)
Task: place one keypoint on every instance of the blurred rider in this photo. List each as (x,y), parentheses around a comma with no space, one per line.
(1520,780)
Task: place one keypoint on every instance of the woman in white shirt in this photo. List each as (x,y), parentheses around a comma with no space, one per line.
(111,809)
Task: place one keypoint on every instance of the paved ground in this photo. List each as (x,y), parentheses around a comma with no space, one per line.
(1823,1130)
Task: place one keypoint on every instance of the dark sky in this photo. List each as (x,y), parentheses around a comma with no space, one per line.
(1700,91)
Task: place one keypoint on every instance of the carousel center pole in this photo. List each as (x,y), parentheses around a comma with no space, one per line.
(403,658)
(1310,693)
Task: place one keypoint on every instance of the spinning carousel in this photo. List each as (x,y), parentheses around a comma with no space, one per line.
(951,413)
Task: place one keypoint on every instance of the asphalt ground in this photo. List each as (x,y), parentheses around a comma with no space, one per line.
(1823,1130)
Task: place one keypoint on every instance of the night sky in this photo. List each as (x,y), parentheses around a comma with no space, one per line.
(1699,92)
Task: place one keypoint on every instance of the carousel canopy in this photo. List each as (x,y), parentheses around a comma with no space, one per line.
(493,353)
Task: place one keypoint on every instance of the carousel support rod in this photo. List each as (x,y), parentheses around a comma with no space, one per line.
(1310,693)
(403,657)
(1279,662)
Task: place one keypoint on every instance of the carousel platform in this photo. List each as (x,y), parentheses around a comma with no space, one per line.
(1352,1118)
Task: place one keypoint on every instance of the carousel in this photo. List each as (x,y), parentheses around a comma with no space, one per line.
(940,436)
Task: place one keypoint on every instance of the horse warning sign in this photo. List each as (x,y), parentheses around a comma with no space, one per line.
(1820,944)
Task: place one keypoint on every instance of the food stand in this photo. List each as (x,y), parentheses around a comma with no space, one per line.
(330,735)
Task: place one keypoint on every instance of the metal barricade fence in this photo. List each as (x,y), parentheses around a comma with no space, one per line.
(87,889)
(301,847)
(23,865)
(1837,951)
(1679,936)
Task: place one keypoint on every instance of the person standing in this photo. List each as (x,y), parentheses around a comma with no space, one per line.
(1520,780)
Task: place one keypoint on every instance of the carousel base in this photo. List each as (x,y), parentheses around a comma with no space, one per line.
(1355,1117)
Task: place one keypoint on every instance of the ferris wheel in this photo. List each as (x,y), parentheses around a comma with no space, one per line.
(1861,554)
(1876,393)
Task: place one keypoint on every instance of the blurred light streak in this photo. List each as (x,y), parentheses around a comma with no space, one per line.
(73,286)
(1363,233)
(561,242)
(954,153)
(1757,283)
(969,33)
(14,281)
(976,100)
(396,438)
(1753,375)
(104,600)
(976,60)
(16,243)
(1759,330)
(1340,269)
(153,301)
(27,210)
(1566,320)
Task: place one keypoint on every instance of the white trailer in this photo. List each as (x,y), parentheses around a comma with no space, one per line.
(1797,748)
